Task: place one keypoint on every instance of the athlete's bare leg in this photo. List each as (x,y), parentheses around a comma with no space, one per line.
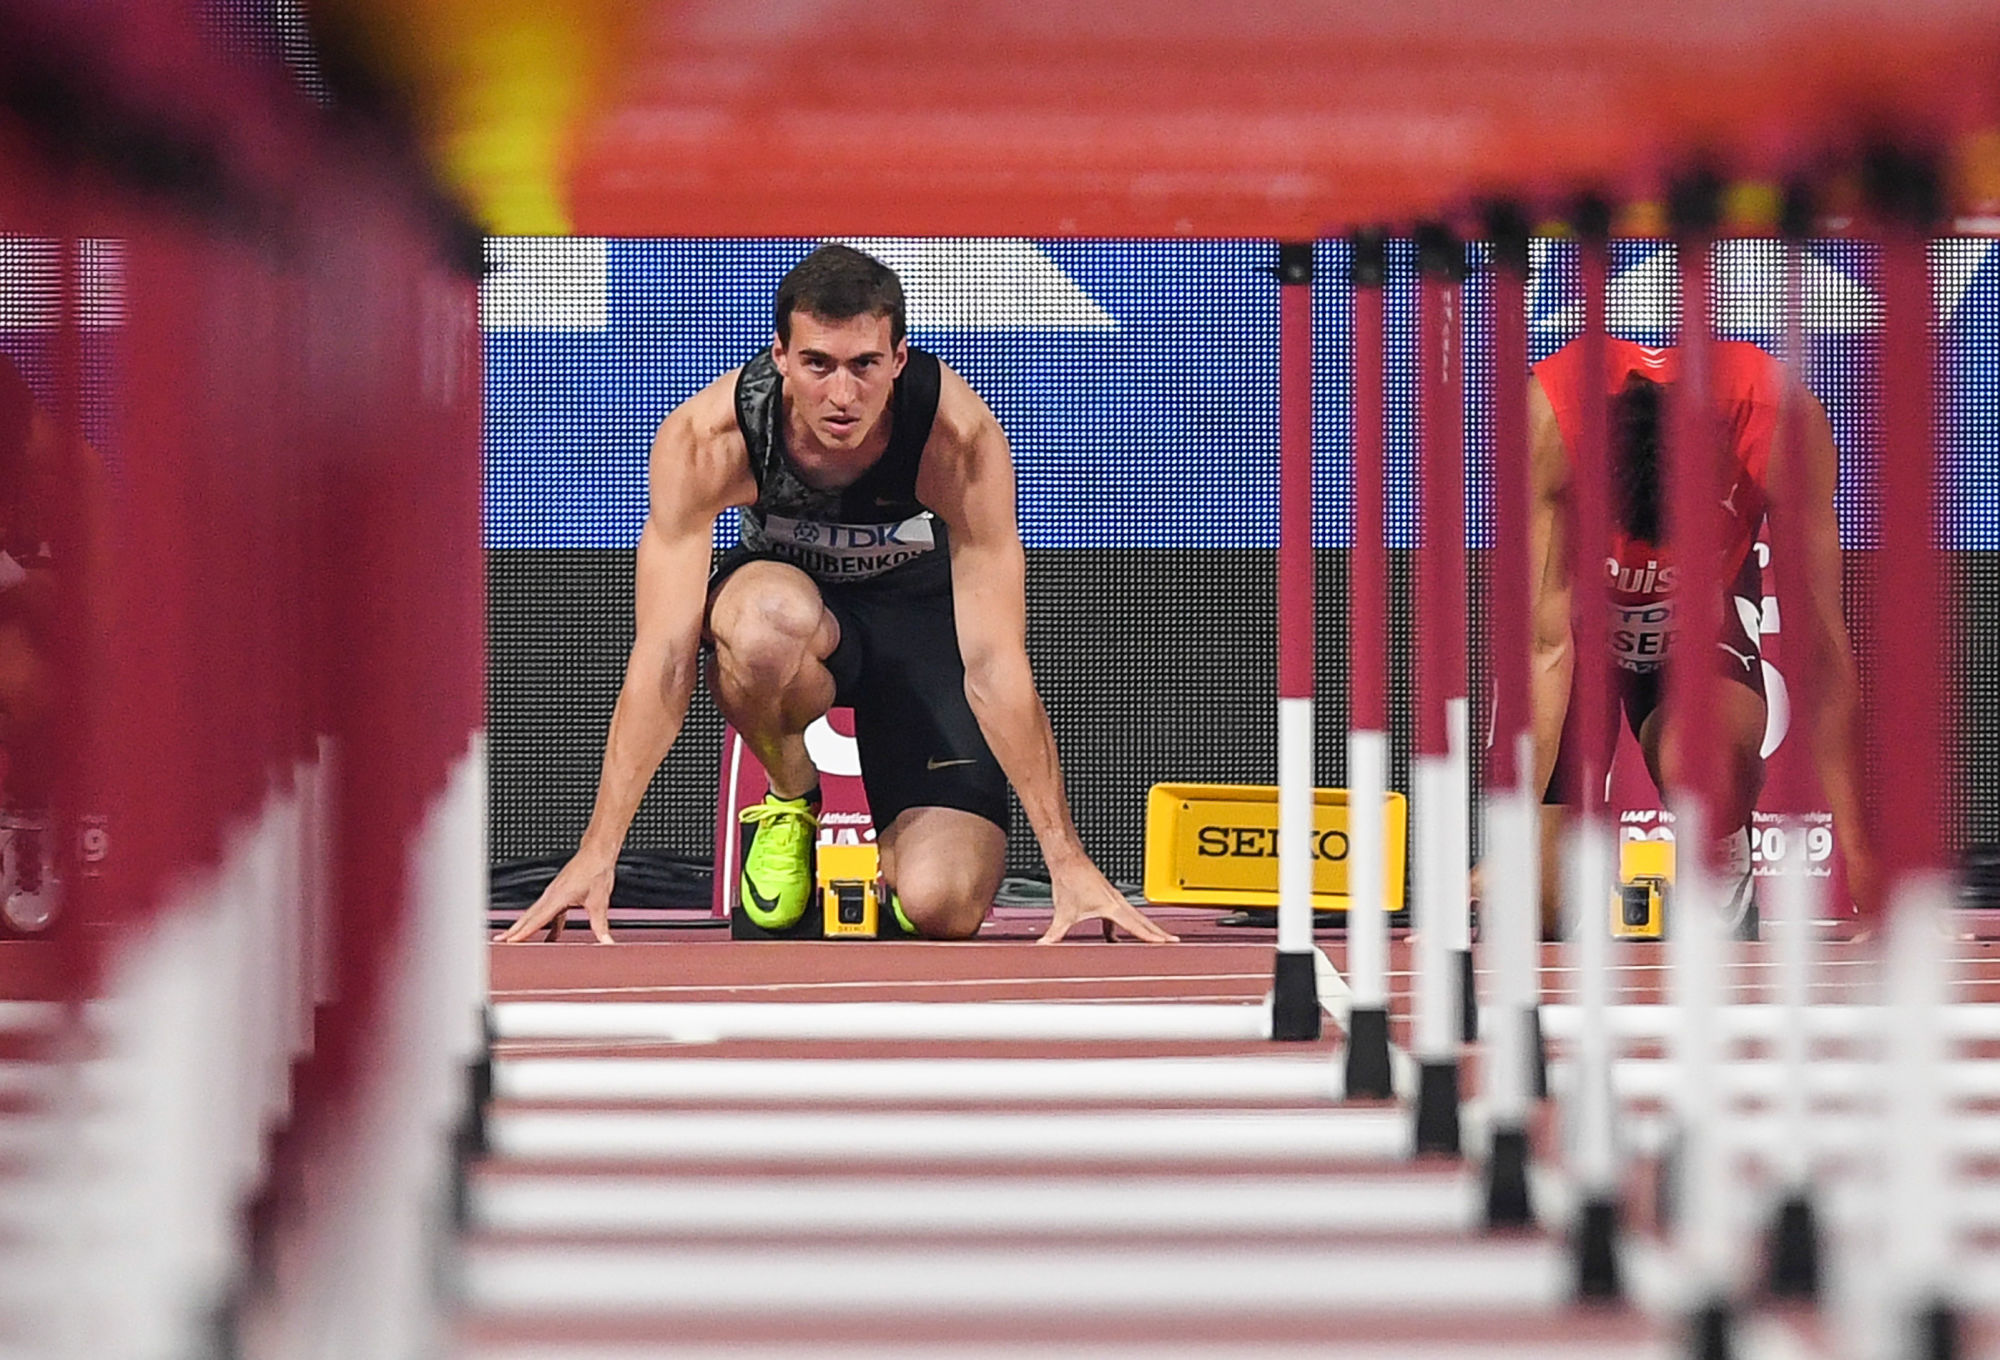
(1731,721)
(1555,843)
(1732,716)
(945,866)
(772,636)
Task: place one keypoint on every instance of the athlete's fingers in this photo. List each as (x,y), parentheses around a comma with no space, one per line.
(527,923)
(1140,925)
(1060,924)
(598,907)
(557,924)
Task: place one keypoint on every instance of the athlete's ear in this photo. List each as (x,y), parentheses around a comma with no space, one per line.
(778,355)
(902,356)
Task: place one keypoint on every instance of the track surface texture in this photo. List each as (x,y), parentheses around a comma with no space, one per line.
(759,1166)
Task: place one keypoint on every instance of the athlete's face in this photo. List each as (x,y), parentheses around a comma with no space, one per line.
(839,375)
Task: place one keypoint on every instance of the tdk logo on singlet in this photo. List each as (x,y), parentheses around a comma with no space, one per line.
(841,552)
(1642,621)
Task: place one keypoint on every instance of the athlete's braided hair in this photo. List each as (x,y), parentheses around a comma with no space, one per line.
(1635,457)
(839,282)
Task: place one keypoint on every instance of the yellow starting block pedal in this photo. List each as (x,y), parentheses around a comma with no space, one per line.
(1639,905)
(850,906)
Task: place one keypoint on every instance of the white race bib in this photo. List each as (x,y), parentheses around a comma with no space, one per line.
(1642,634)
(841,552)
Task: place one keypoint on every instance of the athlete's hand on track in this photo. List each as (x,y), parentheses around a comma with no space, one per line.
(583,882)
(1083,894)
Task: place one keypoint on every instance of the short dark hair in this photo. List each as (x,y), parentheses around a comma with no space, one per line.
(839,282)
(1635,456)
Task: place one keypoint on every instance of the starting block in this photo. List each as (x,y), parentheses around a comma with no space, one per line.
(1639,904)
(847,898)
(850,899)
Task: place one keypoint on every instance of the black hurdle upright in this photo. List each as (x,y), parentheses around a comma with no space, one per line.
(1438,770)
(1295,1008)
(1591,1113)
(1510,896)
(1792,1255)
(1368,1075)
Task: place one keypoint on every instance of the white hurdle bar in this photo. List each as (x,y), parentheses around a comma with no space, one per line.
(879,1021)
(1467,1279)
(921,1080)
(1074,1204)
(1763,1022)
(798,1141)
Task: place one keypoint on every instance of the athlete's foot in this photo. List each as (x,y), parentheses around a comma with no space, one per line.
(1739,882)
(885,893)
(778,860)
(30,893)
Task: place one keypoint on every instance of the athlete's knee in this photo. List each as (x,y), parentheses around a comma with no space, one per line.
(1729,735)
(27,688)
(942,900)
(769,634)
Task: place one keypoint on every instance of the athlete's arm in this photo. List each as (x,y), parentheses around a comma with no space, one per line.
(1552,656)
(1804,524)
(967,478)
(693,477)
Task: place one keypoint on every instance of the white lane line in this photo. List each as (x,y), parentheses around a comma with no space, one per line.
(1505,1278)
(1017,981)
(787,1206)
(907,1021)
(1307,1077)
(671,988)
(820,1139)
(1549,969)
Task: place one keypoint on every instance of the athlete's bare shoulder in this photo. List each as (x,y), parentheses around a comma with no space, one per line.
(1548,457)
(966,449)
(708,418)
(963,418)
(699,451)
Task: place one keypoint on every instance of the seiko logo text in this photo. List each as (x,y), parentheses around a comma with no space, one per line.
(1261,842)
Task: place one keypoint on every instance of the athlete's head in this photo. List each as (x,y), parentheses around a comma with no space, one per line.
(1635,457)
(838,323)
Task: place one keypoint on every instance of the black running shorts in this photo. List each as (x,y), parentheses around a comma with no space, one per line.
(1638,693)
(899,669)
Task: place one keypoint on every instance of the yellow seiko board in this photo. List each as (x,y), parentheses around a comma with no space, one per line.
(847,876)
(1216,845)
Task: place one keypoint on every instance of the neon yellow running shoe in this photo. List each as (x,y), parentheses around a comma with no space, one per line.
(888,894)
(778,860)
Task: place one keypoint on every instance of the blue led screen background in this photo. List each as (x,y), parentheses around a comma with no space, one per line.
(1137,382)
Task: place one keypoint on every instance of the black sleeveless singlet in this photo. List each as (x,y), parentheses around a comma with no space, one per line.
(862,531)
